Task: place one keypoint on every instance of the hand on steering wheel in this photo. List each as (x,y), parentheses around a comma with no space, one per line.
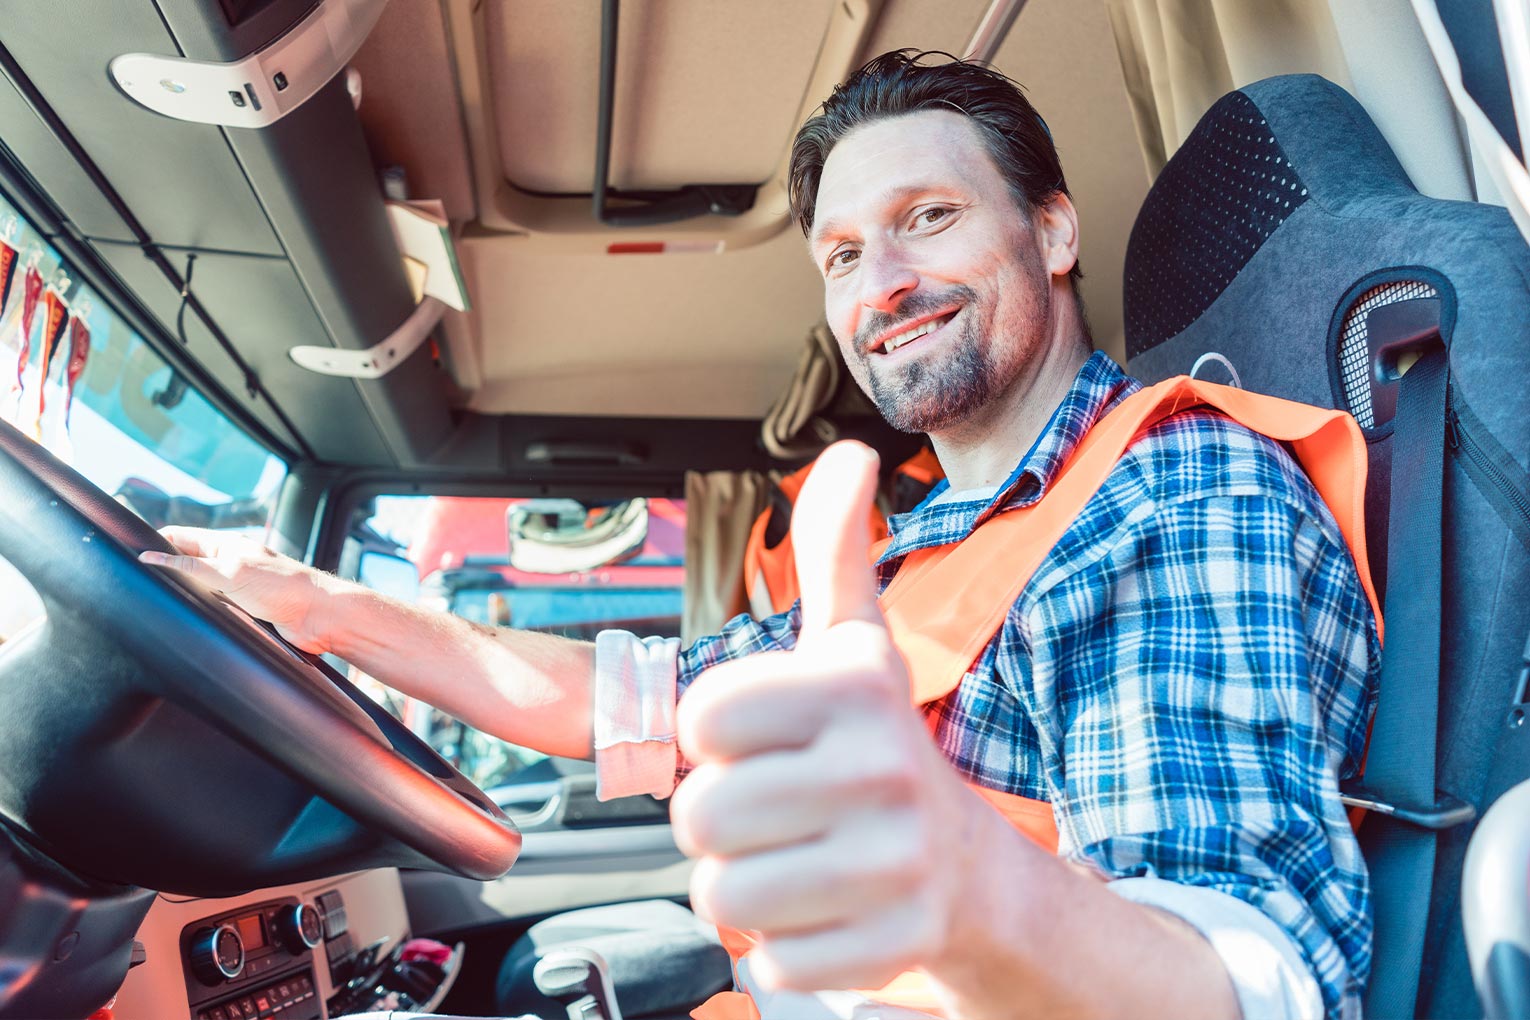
(269,586)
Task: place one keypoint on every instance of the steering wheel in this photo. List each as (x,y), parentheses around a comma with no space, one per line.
(152,734)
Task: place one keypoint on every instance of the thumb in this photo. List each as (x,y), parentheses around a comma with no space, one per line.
(831,538)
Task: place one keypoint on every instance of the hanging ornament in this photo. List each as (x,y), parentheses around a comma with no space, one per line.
(31,290)
(55,318)
(8,264)
(79,352)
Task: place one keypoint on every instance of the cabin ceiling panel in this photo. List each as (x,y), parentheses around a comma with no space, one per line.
(705,93)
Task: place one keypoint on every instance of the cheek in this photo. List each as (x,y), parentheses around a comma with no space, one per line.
(842,316)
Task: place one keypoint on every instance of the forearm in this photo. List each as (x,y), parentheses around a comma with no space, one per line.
(1039,937)
(528,688)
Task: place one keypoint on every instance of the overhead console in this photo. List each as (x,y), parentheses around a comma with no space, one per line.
(285,222)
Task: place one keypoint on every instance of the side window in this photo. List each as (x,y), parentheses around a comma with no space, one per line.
(76,378)
(555,565)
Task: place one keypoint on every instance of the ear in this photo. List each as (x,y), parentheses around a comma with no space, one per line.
(1057,230)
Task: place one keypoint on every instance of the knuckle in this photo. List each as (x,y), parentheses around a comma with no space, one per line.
(881,766)
(725,891)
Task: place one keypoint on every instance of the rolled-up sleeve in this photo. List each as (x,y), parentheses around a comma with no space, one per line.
(638,684)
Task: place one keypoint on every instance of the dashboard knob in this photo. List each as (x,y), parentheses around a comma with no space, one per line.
(300,928)
(217,954)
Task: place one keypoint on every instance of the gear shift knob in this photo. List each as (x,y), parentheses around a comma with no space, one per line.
(578,978)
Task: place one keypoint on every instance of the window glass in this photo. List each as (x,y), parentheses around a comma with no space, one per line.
(75,377)
(594,566)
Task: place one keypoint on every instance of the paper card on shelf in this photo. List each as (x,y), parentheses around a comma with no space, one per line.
(424,237)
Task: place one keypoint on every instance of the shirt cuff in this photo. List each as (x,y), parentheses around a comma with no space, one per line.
(634,714)
(1268,974)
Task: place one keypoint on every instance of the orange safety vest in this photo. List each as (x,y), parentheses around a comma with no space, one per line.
(946,603)
(770,571)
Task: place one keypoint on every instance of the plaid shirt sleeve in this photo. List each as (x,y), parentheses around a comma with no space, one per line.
(1198,680)
(743,635)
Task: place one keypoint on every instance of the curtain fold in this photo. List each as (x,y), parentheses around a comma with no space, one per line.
(720,508)
(1494,157)
(1178,57)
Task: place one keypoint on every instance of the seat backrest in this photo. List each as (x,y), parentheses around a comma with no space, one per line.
(1285,244)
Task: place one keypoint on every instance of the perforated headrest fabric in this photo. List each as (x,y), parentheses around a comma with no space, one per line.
(1212,210)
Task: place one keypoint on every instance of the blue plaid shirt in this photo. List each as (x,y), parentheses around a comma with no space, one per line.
(1185,678)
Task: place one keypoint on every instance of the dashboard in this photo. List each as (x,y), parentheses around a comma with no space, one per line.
(309,951)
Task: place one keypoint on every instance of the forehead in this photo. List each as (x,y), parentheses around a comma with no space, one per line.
(887,158)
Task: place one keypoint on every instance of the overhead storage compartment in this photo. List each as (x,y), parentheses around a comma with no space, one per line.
(288,220)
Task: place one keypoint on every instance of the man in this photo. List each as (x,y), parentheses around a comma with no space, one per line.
(1183,678)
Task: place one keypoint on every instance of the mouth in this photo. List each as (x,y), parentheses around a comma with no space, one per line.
(909,334)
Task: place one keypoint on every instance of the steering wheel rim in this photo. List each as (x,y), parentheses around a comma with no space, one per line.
(182,647)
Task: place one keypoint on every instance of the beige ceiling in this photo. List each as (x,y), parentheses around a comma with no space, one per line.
(700,334)
(700,98)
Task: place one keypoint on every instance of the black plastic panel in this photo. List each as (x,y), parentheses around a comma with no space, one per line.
(226,30)
(55,171)
(262,308)
(314,175)
(72,938)
(179,179)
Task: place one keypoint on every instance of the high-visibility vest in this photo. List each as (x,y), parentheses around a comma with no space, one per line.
(770,571)
(946,603)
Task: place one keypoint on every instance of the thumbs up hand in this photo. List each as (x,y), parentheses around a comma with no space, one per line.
(821,812)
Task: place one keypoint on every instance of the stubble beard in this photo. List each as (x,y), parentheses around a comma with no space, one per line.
(933,395)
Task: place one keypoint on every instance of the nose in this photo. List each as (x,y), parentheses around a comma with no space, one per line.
(887,277)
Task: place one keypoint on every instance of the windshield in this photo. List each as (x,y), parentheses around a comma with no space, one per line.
(75,377)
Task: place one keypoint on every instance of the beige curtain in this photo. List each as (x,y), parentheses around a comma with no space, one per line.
(1180,56)
(720,508)
(802,420)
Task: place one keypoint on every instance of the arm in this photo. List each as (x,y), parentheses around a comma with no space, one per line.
(826,819)
(531,689)
(1206,682)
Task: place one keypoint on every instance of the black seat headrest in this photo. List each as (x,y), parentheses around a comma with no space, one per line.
(1282,229)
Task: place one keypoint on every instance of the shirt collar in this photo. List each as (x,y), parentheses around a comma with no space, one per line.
(1099,386)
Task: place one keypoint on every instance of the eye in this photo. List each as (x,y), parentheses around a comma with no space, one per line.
(931,215)
(841,258)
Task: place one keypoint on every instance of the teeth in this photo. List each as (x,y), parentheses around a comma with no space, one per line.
(914,334)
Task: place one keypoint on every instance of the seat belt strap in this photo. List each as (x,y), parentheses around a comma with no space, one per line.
(1400,765)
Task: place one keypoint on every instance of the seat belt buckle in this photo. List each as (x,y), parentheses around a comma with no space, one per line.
(1445,813)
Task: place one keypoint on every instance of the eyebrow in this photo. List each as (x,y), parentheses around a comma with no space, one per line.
(826,229)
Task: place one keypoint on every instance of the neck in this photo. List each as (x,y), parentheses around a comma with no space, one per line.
(980,451)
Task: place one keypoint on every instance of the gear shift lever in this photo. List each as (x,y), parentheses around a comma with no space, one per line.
(578,978)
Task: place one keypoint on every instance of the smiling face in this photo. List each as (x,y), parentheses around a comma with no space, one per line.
(936,285)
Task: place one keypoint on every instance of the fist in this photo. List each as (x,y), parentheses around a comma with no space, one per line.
(819,809)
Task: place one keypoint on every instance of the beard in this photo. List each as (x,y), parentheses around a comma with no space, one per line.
(928,397)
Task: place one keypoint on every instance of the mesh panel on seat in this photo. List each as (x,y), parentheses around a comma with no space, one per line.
(1354,343)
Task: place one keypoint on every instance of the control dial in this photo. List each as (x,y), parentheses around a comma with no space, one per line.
(217,954)
(300,928)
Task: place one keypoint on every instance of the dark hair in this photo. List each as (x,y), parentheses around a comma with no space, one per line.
(897,83)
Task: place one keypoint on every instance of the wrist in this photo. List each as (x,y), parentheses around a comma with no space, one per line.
(317,628)
(998,882)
